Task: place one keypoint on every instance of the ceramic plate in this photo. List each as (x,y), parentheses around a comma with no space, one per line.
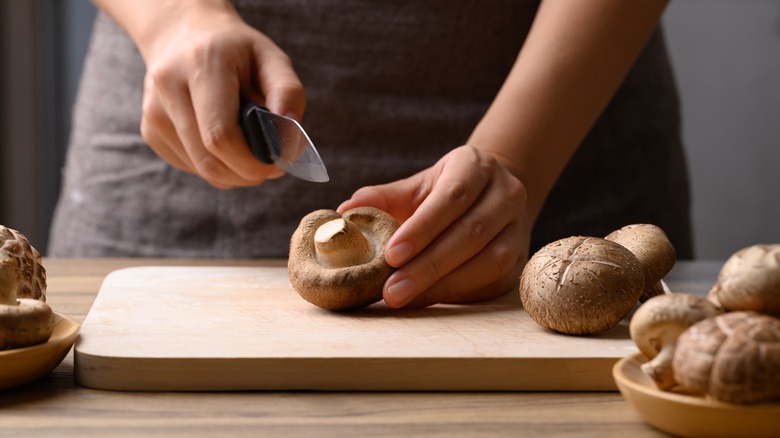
(690,415)
(20,366)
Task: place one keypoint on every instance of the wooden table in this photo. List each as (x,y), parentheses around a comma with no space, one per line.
(55,406)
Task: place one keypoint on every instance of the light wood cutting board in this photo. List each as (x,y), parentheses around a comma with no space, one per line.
(245,328)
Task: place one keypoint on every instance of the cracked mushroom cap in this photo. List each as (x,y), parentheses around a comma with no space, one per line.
(657,324)
(32,275)
(337,261)
(581,285)
(23,321)
(750,280)
(655,252)
(734,357)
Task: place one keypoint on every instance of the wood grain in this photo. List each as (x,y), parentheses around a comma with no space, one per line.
(245,328)
(55,406)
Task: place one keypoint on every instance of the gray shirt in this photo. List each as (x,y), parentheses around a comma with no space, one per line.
(391,87)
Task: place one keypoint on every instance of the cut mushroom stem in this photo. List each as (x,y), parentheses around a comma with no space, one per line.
(339,243)
(337,261)
(660,368)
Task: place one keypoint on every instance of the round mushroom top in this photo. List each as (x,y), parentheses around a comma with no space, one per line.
(32,275)
(734,357)
(651,246)
(581,285)
(337,261)
(750,280)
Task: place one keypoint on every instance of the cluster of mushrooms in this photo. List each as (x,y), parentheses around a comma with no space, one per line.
(725,345)
(25,318)
(586,285)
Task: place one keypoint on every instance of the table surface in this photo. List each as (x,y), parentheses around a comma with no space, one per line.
(55,406)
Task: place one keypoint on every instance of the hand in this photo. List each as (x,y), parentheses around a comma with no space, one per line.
(198,65)
(464,235)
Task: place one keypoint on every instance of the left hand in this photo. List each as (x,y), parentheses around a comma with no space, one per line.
(465,232)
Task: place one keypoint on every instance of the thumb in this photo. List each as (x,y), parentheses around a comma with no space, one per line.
(399,198)
(282,89)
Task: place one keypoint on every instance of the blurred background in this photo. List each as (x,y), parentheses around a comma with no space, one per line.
(726,55)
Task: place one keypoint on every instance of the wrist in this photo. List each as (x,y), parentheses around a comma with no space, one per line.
(148,22)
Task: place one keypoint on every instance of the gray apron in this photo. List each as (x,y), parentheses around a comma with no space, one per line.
(391,87)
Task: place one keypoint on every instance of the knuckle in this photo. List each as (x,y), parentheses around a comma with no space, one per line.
(503,259)
(152,114)
(476,229)
(215,138)
(162,75)
(211,169)
(456,193)
(429,272)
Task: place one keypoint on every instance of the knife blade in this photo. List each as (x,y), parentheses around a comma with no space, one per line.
(279,140)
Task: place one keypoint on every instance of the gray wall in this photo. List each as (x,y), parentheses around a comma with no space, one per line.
(727,58)
(726,54)
(42,45)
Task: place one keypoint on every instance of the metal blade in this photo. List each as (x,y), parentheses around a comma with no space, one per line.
(297,154)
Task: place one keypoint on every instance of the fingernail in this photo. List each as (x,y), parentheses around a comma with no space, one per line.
(399,254)
(400,292)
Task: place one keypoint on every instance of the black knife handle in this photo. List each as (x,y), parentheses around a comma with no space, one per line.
(260,131)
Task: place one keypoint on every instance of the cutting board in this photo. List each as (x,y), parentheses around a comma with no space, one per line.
(245,328)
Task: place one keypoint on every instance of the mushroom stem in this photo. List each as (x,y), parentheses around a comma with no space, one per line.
(660,368)
(340,243)
(9,280)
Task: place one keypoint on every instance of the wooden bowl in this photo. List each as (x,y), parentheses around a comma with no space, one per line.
(20,366)
(691,415)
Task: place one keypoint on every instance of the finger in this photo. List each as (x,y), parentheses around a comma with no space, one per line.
(282,89)
(215,101)
(175,101)
(161,147)
(400,198)
(158,131)
(501,205)
(456,189)
(493,272)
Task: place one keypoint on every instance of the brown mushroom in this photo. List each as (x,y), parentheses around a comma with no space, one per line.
(655,252)
(337,261)
(581,285)
(750,280)
(734,357)
(657,324)
(23,321)
(32,275)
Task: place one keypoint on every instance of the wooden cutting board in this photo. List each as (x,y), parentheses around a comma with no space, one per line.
(245,328)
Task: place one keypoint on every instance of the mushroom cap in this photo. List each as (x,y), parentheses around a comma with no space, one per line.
(341,288)
(663,318)
(27,323)
(734,357)
(750,280)
(581,285)
(32,275)
(652,247)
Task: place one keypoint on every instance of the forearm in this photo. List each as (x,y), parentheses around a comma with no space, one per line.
(574,58)
(145,20)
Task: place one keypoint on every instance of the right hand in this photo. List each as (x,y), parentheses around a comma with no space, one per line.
(200,60)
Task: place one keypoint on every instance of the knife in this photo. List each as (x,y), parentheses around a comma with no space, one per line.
(279,140)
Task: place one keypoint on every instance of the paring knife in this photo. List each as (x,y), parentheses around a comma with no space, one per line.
(279,140)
